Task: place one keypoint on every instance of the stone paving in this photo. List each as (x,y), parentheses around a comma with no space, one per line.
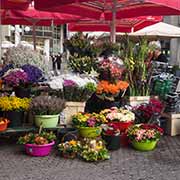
(125,164)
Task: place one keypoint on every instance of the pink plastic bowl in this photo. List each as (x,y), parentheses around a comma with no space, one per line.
(38,150)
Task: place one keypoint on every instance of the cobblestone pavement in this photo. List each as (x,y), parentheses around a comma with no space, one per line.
(125,164)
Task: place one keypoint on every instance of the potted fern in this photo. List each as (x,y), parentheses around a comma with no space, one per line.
(46,110)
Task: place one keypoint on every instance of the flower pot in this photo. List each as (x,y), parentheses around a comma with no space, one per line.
(144,146)
(15,117)
(3,126)
(22,92)
(68,155)
(71,109)
(38,150)
(124,140)
(112,142)
(122,126)
(89,132)
(67,134)
(47,121)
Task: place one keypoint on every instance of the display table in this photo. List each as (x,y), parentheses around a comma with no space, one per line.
(173,124)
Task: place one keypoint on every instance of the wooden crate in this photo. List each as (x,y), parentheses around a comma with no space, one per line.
(71,109)
(173,124)
(137,100)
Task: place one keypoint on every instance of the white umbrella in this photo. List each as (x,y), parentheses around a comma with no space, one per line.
(159,30)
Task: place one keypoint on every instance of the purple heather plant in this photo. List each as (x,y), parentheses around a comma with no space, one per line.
(68,82)
(34,73)
(16,77)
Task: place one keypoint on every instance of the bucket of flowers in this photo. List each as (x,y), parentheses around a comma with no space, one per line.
(88,124)
(69,149)
(39,144)
(46,110)
(144,137)
(93,150)
(111,135)
(22,79)
(3,124)
(120,117)
(13,108)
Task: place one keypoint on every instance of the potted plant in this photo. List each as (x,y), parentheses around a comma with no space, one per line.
(122,118)
(46,110)
(39,144)
(69,149)
(76,96)
(83,53)
(22,79)
(137,72)
(88,124)
(17,78)
(144,137)
(111,135)
(13,109)
(3,124)
(93,150)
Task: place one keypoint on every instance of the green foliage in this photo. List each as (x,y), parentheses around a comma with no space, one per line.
(39,139)
(136,69)
(84,64)
(83,53)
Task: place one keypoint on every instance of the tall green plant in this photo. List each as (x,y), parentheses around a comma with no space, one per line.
(135,56)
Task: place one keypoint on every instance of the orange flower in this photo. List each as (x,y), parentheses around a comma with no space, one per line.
(109,88)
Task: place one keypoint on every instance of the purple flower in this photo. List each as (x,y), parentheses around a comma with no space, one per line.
(69,83)
(91,122)
(33,72)
(16,78)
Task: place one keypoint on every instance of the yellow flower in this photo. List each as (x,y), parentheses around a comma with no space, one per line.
(73,142)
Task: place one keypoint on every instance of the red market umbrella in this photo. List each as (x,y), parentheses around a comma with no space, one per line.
(35,18)
(14,4)
(111,9)
(123,25)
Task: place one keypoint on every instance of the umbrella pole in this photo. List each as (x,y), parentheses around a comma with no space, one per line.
(113,24)
(34,36)
(61,38)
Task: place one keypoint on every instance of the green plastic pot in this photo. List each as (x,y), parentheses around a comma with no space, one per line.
(89,132)
(47,121)
(144,146)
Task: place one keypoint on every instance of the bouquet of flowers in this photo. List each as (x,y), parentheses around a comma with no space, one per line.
(69,149)
(15,77)
(38,139)
(93,150)
(146,111)
(144,133)
(118,115)
(73,92)
(34,73)
(108,90)
(109,71)
(88,120)
(14,104)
